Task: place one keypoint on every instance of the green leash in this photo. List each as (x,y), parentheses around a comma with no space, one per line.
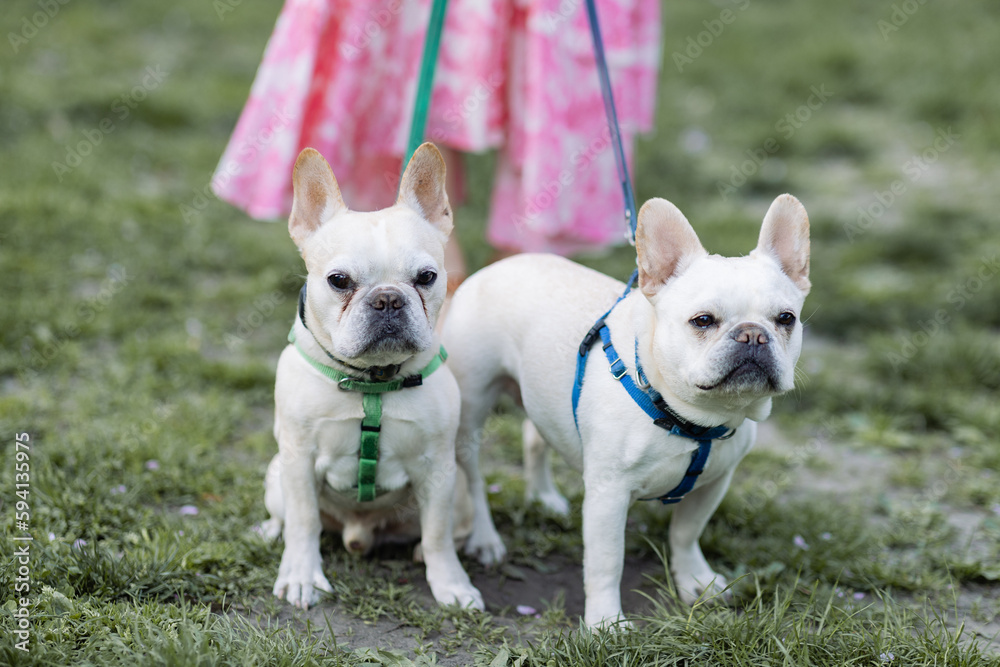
(371,402)
(428,62)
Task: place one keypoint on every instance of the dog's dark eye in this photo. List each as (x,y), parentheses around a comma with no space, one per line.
(425,278)
(703,321)
(339,281)
(786,319)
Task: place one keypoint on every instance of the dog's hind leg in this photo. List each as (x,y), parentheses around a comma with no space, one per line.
(484,541)
(274,502)
(538,484)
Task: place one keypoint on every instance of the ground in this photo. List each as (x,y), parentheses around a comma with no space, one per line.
(142,320)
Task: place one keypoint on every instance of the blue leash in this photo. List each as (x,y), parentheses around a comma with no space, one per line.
(645,397)
(631,217)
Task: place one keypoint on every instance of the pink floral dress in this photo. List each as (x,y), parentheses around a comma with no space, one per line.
(515,75)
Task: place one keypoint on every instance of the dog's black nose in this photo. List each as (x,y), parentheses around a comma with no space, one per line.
(386,297)
(750,334)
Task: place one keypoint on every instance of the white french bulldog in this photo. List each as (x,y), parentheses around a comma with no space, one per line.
(717,337)
(376,282)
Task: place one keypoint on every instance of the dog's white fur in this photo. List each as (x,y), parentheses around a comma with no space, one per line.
(314,478)
(523,318)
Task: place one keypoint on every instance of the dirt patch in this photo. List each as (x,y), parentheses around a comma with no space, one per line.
(504,590)
(564,582)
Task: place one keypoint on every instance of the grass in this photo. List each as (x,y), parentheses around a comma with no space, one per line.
(141,323)
(796,628)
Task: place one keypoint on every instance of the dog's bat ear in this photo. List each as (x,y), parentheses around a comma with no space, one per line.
(665,242)
(423,187)
(316,195)
(784,237)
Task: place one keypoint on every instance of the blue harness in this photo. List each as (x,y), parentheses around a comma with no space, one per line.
(650,401)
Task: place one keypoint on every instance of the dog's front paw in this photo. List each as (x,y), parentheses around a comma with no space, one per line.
(465,595)
(300,579)
(610,623)
(485,544)
(705,587)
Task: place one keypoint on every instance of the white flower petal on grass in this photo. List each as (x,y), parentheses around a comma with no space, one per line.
(118,489)
(494,488)
(79,543)
(188,510)
(525,610)
(800,542)
(826,536)
(859,596)
(152,464)
(887,657)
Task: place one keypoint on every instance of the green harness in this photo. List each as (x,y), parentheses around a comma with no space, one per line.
(371,402)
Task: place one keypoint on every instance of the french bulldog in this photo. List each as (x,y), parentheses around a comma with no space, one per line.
(375,285)
(717,337)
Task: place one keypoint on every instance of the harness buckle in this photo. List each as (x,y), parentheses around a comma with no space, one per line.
(665,423)
(591,337)
(620,375)
(344,382)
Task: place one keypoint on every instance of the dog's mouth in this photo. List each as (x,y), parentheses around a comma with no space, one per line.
(389,345)
(747,375)
(375,339)
(392,342)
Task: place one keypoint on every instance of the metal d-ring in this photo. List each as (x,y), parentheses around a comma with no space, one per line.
(640,380)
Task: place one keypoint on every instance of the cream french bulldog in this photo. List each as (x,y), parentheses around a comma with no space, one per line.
(717,337)
(366,320)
